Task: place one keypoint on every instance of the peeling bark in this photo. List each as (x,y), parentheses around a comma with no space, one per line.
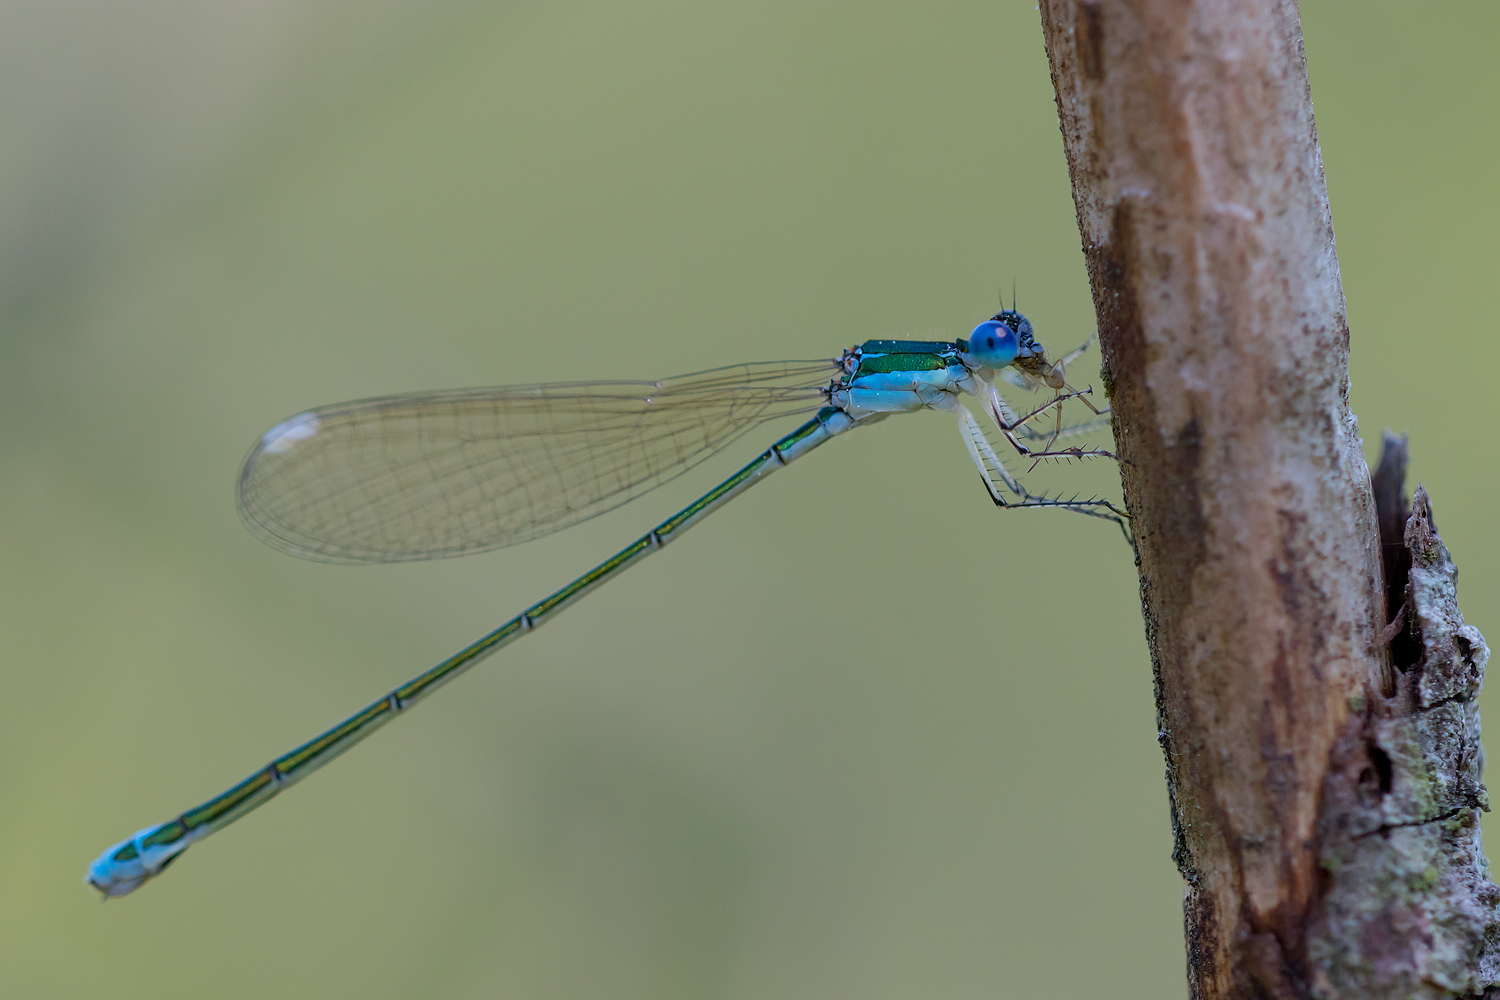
(1410,910)
(1323,768)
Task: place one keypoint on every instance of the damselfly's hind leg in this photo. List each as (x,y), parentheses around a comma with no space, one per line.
(994,475)
(991,470)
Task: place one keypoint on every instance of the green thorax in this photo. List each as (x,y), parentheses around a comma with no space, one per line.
(878,357)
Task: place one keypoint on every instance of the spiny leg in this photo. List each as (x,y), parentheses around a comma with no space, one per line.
(1056,428)
(1000,411)
(1067,359)
(1071,430)
(1066,391)
(1060,368)
(987,461)
(1046,449)
(1094,507)
(1103,509)
(1006,419)
(989,465)
(1084,398)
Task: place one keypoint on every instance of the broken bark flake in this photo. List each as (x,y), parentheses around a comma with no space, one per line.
(1388,483)
(1393,510)
(1409,910)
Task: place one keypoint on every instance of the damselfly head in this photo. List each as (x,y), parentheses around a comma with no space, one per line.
(1026,345)
(1002,340)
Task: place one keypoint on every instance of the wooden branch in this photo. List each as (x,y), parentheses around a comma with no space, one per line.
(1201,201)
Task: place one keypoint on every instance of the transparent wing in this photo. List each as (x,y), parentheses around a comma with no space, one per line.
(430,475)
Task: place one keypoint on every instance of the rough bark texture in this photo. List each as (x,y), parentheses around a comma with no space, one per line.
(1323,796)
(1409,909)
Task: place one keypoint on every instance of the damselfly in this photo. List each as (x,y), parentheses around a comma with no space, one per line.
(428,475)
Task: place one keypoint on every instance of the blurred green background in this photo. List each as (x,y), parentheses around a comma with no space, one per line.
(860,736)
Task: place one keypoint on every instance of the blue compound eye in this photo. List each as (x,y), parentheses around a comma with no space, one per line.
(993,344)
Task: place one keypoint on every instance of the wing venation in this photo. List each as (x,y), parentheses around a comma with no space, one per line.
(430,475)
